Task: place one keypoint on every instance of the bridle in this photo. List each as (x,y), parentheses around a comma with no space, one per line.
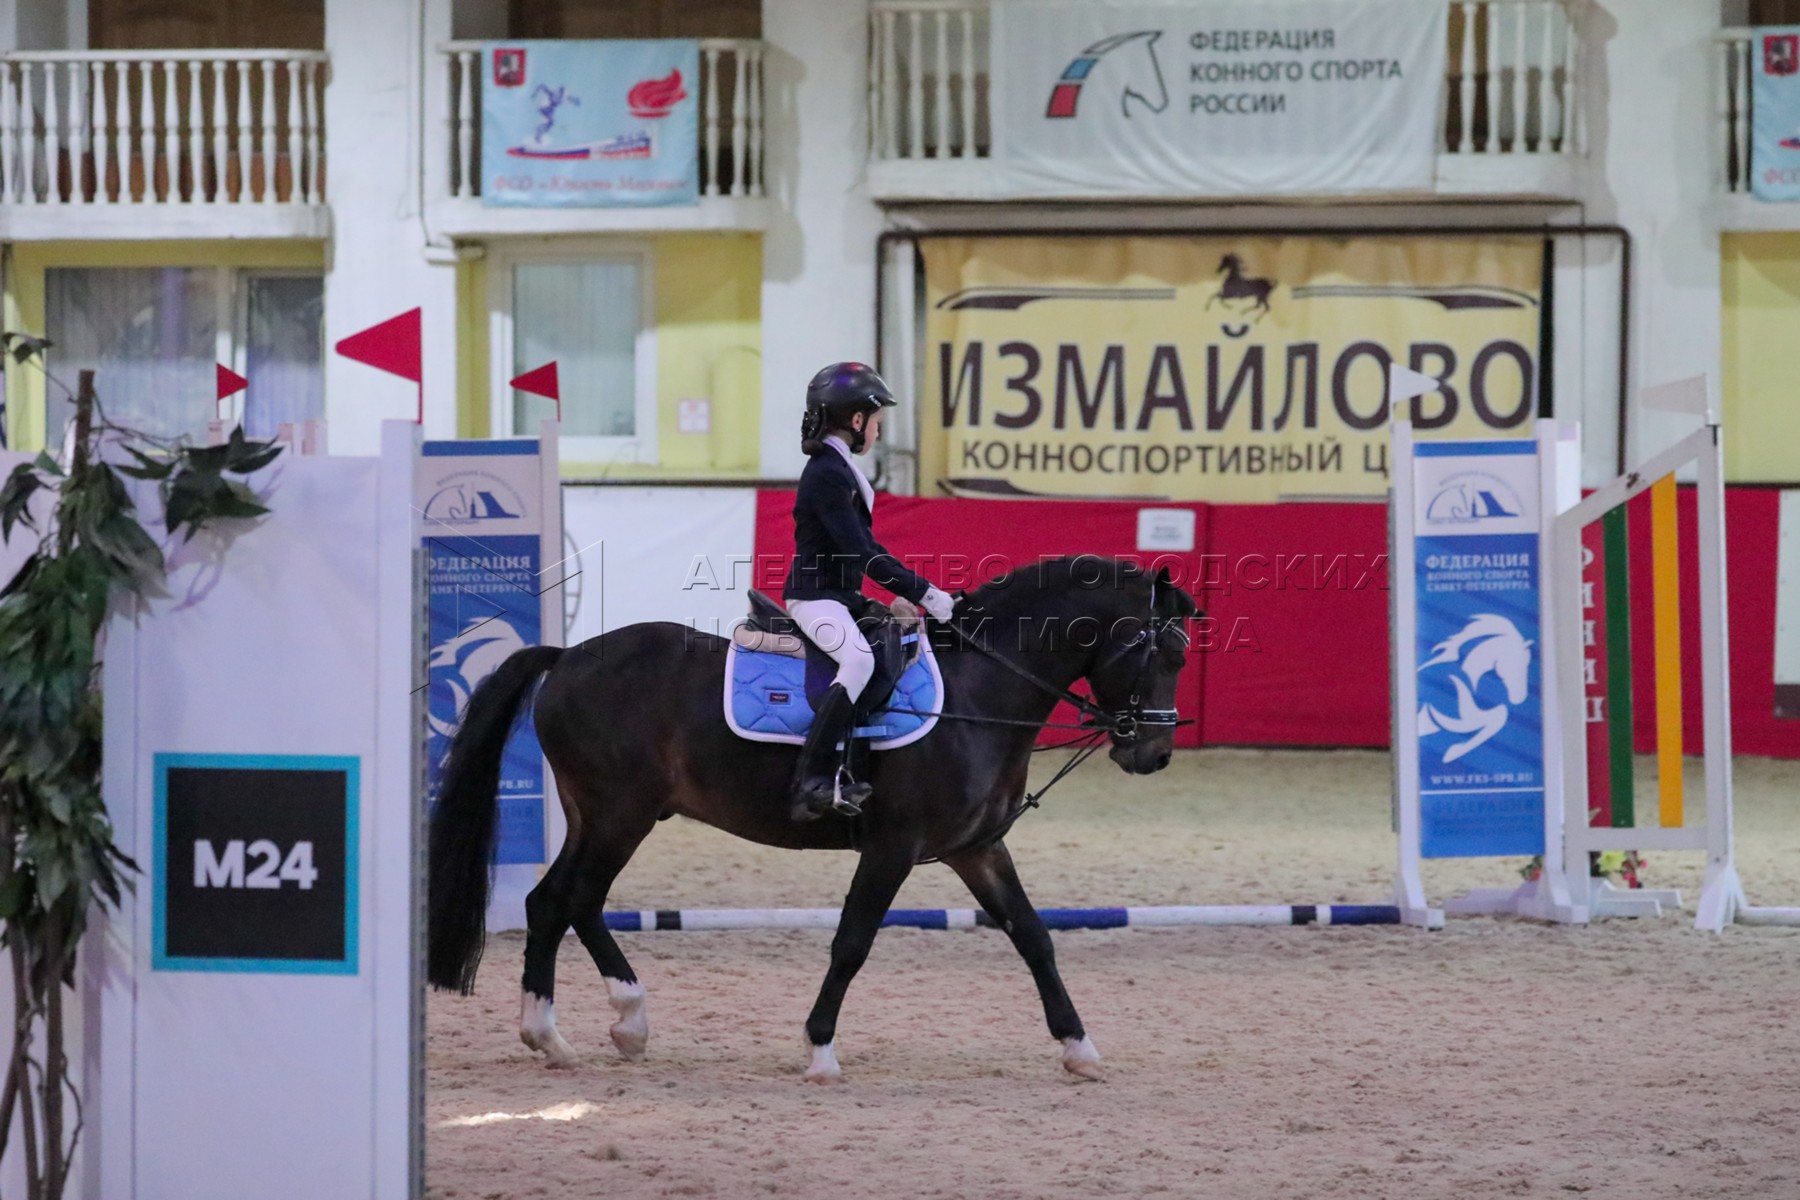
(1122,724)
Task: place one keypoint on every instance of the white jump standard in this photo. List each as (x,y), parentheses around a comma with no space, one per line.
(1494,761)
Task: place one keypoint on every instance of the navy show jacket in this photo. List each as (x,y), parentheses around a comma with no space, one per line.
(834,540)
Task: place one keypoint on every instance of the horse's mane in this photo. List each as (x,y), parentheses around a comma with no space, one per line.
(1078,572)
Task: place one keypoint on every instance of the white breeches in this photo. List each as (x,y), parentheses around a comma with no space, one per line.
(833,630)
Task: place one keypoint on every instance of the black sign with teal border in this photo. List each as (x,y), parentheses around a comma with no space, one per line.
(255,863)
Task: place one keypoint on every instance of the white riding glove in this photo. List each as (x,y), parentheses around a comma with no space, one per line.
(939,604)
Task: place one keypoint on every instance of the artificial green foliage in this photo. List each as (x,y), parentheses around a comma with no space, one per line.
(57,857)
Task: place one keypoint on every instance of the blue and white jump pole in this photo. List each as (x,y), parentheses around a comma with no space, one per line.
(1155,916)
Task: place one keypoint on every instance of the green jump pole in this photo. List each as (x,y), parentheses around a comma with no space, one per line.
(1618,665)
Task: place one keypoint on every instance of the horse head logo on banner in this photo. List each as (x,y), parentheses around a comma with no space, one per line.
(461,663)
(1488,643)
(1133,68)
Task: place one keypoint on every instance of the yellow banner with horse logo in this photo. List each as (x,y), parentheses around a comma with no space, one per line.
(1226,369)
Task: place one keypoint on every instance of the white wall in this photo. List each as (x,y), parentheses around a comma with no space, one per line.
(375,264)
(43,24)
(657,554)
(1650,103)
(818,294)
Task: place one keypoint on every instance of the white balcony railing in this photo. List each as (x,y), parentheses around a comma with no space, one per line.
(1510,88)
(178,127)
(1734,108)
(731,117)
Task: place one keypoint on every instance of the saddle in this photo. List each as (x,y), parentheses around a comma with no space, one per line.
(774,676)
(893,633)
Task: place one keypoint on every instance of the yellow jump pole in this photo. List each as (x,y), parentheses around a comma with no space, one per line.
(1667,621)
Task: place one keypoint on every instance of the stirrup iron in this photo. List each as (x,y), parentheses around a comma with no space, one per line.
(847,795)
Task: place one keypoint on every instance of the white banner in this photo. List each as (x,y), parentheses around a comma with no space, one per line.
(1223,97)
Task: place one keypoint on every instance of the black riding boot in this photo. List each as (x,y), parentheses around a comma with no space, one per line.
(816,788)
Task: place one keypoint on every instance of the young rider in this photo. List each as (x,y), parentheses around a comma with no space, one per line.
(834,548)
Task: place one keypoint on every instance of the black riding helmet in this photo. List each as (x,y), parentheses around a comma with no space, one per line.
(836,394)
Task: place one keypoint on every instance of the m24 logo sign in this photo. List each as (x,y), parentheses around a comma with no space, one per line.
(256,863)
(222,865)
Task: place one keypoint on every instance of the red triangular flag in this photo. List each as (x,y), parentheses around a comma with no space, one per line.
(230,382)
(540,381)
(392,346)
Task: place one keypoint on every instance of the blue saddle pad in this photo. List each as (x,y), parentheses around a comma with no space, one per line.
(765,700)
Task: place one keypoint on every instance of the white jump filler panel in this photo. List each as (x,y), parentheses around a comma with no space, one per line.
(256,998)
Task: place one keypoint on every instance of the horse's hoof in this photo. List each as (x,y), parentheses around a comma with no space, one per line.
(1080,1059)
(537,1029)
(631,1042)
(824,1066)
(558,1054)
(631,1032)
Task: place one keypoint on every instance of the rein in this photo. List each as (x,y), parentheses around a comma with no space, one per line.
(1099,725)
(1109,722)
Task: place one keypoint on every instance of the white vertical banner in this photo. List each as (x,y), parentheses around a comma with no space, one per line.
(1222,97)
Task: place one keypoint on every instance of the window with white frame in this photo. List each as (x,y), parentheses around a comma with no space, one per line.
(152,336)
(591,315)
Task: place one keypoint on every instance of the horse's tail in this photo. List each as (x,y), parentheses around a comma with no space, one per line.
(462,828)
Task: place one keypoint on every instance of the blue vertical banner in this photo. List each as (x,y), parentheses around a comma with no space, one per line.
(590,123)
(1480,720)
(1775,113)
(483,539)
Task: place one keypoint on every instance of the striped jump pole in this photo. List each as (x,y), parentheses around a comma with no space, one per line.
(1155,916)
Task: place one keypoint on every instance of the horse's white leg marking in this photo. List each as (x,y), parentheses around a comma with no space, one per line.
(824,1066)
(1080,1059)
(631,1032)
(537,1029)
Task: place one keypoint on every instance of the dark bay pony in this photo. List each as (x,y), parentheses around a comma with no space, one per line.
(633,725)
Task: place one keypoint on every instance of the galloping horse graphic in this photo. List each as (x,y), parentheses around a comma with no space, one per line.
(1239,286)
(1498,646)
